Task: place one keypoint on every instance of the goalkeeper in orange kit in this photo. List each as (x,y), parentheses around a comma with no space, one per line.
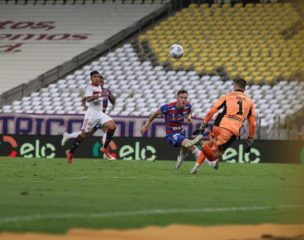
(237,107)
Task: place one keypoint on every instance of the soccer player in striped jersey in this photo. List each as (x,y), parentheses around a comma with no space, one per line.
(237,107)
(174,114)
(96,97)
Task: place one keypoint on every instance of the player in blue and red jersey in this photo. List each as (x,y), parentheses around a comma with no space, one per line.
(175,113)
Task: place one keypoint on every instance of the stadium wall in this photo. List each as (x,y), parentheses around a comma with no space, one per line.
(56,124)
(263,151)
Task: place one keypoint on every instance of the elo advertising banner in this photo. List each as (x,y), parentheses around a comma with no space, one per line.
(29,146)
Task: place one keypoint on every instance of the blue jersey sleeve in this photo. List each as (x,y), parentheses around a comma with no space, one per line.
(164,109)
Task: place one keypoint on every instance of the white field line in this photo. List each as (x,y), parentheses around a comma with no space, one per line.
(17,219)
(35,180)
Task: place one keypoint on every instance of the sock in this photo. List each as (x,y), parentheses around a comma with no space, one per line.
(211,164)
(76,144)
(183,154)
(196,166)
(195,151)
(104,137)
(201,158)
(109,136)
(74,134)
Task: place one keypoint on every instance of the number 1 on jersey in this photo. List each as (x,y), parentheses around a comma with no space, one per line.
(240,103)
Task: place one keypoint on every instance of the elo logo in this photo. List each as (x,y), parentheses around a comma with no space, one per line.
(28,150)
(13,143)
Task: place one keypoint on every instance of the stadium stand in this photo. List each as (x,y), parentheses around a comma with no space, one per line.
(243,41)
(143,77)
(294,125)
(141,88)
(37,37)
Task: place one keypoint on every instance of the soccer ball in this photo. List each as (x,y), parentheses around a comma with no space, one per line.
(176,51)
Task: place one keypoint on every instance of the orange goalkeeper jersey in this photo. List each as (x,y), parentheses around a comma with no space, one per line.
(236,108)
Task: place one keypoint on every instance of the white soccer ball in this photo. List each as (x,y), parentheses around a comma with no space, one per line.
(176,51)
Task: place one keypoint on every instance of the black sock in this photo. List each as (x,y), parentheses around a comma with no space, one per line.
(76,144)
(110,134)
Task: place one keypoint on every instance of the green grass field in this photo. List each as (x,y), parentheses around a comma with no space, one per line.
(50,196)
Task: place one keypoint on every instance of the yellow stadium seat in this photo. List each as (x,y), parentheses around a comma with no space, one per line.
(209,69)
(193,5)
(269,79)
(141,38)
(229,69)
(234,74)
(245,40)
(199,69)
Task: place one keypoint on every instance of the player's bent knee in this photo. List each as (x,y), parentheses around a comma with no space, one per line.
(184,143)
(110,125)
(84,134)
(209,152)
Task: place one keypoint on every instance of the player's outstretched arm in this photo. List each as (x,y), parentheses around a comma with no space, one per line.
(150,120)
(250,139)
(189,118)
(219,104)
(92,98)
(83,103)
(252,126)
(112,99)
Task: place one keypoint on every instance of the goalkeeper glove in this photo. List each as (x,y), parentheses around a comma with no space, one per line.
(201,129)
(249,143)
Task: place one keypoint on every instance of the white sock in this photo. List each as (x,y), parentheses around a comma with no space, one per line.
(104,137)
(196,166)
(211,164)
(74,134)
(183,154)
(195,151)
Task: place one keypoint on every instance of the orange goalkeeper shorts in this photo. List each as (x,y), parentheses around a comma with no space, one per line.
(222,137)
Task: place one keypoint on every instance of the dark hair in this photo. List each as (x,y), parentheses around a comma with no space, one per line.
(241,83)
(93,73)
(182,91)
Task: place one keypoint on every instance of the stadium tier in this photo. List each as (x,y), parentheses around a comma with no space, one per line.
(36,38)
(143,77)
(249,42)
(142,87)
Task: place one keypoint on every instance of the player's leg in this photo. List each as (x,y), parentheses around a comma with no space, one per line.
(194,141)
(104,137)
(110,126)
(180,140)
(214,149)
(176,140)
(87,128)
(195,151)
(66,136)
(181,157)
(200,159)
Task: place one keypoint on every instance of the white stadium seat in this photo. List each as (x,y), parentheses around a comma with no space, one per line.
(141,88)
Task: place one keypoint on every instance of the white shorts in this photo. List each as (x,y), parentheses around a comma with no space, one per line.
(91,119)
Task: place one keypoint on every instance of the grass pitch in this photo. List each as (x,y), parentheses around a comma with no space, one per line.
(47,195)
